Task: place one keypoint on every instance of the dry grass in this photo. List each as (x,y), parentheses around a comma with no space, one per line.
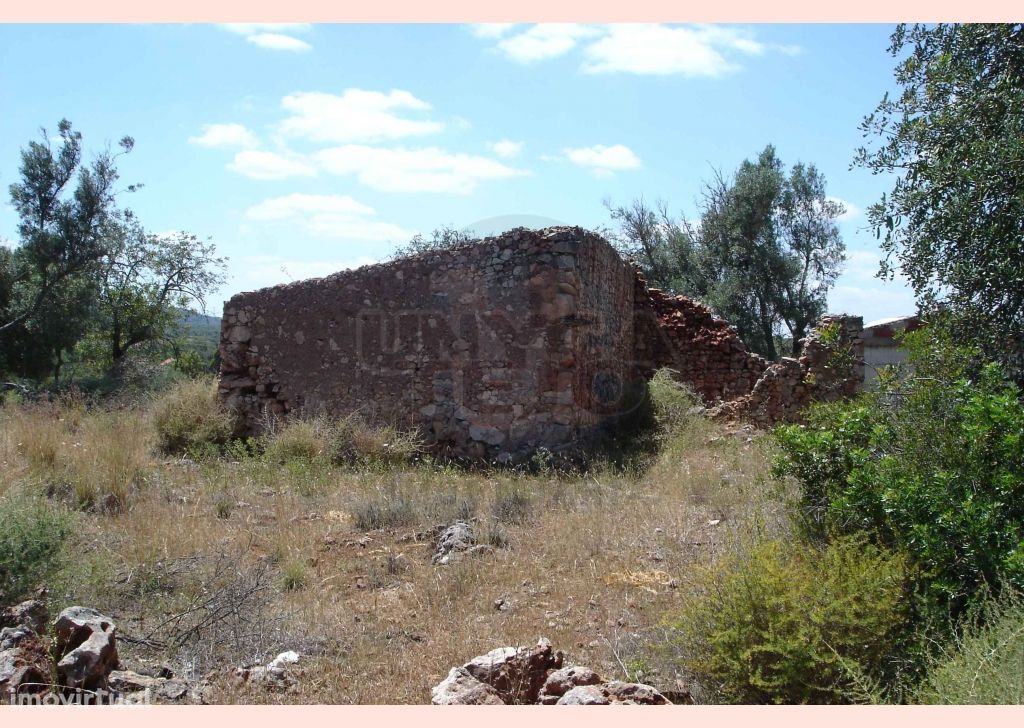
(95,460)
(592,562)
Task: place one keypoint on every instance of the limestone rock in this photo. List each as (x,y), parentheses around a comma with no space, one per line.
(633,693)
(87,648)
(24,663)
(457,538)
(32,614)
(562,681)
(517,674)
(535,675)
(584,695)
(282,661)
(461,688)
(159,689)
(277,674)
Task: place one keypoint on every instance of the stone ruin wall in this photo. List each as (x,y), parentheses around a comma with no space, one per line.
(822,373)
(706,353)
(488,349)
(494,349)
(703,350)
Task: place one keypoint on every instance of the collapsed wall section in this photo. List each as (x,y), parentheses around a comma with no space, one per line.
(706,353)
(703,351)
(830,368)
(491,350)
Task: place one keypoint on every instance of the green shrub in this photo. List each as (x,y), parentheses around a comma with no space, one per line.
(788,623)
(348,441)
(190,363)
(930,465)
(673,404)
(382,511)
(32,537)
(356,442)
(189,417)
(657,415)
(307,440)
(294,576)
(512,504)
(985,665)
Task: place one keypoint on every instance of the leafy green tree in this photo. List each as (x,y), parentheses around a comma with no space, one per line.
(932,465)
(764,255)
(84,274)
(61,322)
(144,281)
(953,222)
(443,238)
(60,229)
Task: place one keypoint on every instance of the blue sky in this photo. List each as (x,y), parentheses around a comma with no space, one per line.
(304,149)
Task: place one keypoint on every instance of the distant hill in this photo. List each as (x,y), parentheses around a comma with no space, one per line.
(200,332)
(199,321)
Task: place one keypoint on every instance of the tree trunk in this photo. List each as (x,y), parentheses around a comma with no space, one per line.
(799,333)
(767,331)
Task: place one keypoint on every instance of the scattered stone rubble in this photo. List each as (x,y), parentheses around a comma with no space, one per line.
(494,349)
(24,661)
(824,372)
(276,674)
(88,669)
(456,541)
(535,675)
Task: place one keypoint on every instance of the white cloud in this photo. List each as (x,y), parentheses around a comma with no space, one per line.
(270,165)
(336,216)
(664,50)
(858,290)
(545,40)
(852,211)
(507,148)
(602,160)
(225,135)
(253,28)
(271,35)
(641,48)
(413,170)
(281,208)
(490,30)
(278,42)
(362,116)
(861,264)
(354,116)
(873,301)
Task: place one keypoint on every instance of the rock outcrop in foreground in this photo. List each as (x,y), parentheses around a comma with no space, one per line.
(535,676)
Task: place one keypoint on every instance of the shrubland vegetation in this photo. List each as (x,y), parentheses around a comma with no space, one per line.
(86,285)
(927,473)
(317,537)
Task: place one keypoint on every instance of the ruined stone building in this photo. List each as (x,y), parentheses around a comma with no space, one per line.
(496,348)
